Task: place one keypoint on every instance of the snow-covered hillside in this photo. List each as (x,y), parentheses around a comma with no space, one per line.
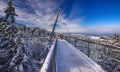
(22,48)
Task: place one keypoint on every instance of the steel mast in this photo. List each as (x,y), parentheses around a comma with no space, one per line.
(52,34)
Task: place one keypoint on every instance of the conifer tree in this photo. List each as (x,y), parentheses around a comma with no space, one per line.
(10,13)
(116,39)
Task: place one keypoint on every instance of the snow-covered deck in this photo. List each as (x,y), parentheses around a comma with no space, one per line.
(69,59)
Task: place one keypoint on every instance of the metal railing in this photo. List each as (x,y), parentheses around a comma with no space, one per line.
(107,56)
(50,63)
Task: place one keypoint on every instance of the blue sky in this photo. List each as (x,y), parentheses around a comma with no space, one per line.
(95,11)
(76,15)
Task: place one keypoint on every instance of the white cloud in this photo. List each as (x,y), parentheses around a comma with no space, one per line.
(2,6)
(45,14)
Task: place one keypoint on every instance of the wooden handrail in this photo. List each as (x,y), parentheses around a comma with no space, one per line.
(106,45)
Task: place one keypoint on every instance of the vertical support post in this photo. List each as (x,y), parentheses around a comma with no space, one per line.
(88,49)
(75,42)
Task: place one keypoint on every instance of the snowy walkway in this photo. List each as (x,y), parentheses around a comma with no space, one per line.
(69,59)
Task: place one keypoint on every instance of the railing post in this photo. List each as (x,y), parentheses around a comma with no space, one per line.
(88,49)
(75,42)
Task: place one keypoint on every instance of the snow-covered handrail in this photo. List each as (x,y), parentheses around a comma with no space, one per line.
(106,45)
(108,56)
(50,56)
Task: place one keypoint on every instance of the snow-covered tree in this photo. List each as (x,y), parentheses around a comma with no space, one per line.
(10,13)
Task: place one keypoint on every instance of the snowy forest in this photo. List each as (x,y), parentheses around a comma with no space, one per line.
(22,49)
